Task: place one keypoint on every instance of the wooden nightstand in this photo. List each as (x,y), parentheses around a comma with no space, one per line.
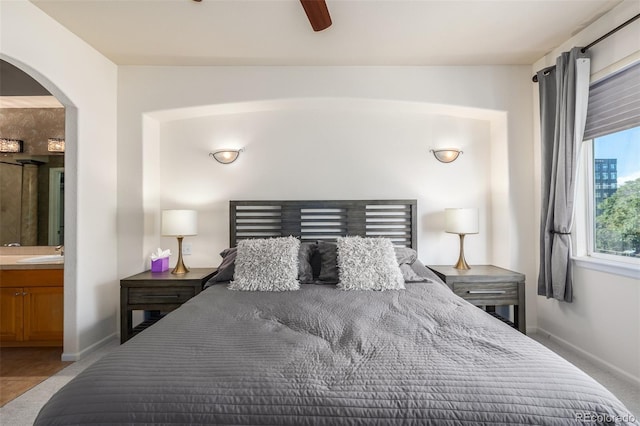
(488,286)
(157,291)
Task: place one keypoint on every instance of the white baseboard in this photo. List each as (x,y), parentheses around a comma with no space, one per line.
(594,359)
(77,356)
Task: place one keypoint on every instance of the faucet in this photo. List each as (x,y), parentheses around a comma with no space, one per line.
(60,249)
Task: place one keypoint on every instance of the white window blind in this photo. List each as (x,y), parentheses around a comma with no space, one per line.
(614,103)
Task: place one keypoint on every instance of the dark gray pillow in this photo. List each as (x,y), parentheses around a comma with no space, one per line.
(305,271)
(328,263)
(226,269)
(316,262)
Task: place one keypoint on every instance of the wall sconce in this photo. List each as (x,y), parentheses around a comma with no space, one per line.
(226,156)
(10,145)
(461,222)
(446,155)
(55,145)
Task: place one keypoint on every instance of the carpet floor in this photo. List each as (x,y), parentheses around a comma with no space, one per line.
(23,368)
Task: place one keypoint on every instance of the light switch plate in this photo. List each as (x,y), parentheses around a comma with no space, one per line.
(186,249)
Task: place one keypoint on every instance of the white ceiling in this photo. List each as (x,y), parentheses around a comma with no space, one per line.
(364,32)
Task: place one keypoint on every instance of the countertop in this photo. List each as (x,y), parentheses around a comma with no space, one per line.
(9,257)
(11,262)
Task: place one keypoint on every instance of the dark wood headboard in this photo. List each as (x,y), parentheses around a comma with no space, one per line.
(324,220)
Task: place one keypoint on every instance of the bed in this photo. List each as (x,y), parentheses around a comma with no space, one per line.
(323,355)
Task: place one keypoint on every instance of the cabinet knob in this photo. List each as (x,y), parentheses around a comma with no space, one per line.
(24,294)
(18,294)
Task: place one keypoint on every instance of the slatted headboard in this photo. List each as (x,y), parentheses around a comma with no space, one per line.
(324,220)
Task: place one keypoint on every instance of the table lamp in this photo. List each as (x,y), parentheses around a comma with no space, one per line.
(462,222)
(179,223)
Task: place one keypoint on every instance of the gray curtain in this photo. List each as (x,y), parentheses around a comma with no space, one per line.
(564,93)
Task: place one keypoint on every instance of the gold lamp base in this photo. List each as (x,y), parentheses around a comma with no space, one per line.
(180,268)
(462,263)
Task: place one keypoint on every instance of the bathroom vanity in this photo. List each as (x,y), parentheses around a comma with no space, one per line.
(31,301)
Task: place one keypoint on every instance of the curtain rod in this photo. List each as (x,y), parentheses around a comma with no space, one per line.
(593,43)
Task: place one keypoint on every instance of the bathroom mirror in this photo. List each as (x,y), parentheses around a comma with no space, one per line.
(32,200)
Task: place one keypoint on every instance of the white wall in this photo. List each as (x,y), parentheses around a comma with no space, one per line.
(329,149)
(177,115)
(86,84)
(603,321)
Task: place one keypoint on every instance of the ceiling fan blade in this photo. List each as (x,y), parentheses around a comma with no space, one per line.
(317,13)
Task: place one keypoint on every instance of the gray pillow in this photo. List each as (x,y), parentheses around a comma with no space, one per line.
(405,255)
(368,264)
(409,274)
(267,265)
(424,272)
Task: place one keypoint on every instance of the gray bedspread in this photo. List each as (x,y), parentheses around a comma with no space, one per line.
(321,356)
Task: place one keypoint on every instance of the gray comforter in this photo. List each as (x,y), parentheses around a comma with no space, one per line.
(321,356)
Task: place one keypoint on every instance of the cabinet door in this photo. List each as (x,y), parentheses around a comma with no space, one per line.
(11,314)
(43,314)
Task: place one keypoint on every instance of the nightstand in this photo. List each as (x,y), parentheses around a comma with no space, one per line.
(160,292)
(488,286)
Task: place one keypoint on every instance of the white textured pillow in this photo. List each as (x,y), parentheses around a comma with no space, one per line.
(368,264)
(267,265)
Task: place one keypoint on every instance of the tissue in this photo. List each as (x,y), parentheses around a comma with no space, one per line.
(160,260)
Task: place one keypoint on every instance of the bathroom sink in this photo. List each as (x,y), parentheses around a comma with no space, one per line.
(49,258)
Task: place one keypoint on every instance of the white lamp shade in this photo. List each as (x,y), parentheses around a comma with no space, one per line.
(179,222)
(461,221)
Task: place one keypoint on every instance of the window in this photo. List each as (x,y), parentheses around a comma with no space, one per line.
(611,207)
(616,224)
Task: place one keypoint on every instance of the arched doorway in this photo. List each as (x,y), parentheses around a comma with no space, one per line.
(33,207)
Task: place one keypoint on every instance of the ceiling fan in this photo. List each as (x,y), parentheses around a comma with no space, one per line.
(316,11)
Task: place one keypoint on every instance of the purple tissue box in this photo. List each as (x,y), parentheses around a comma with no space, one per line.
(160,265)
